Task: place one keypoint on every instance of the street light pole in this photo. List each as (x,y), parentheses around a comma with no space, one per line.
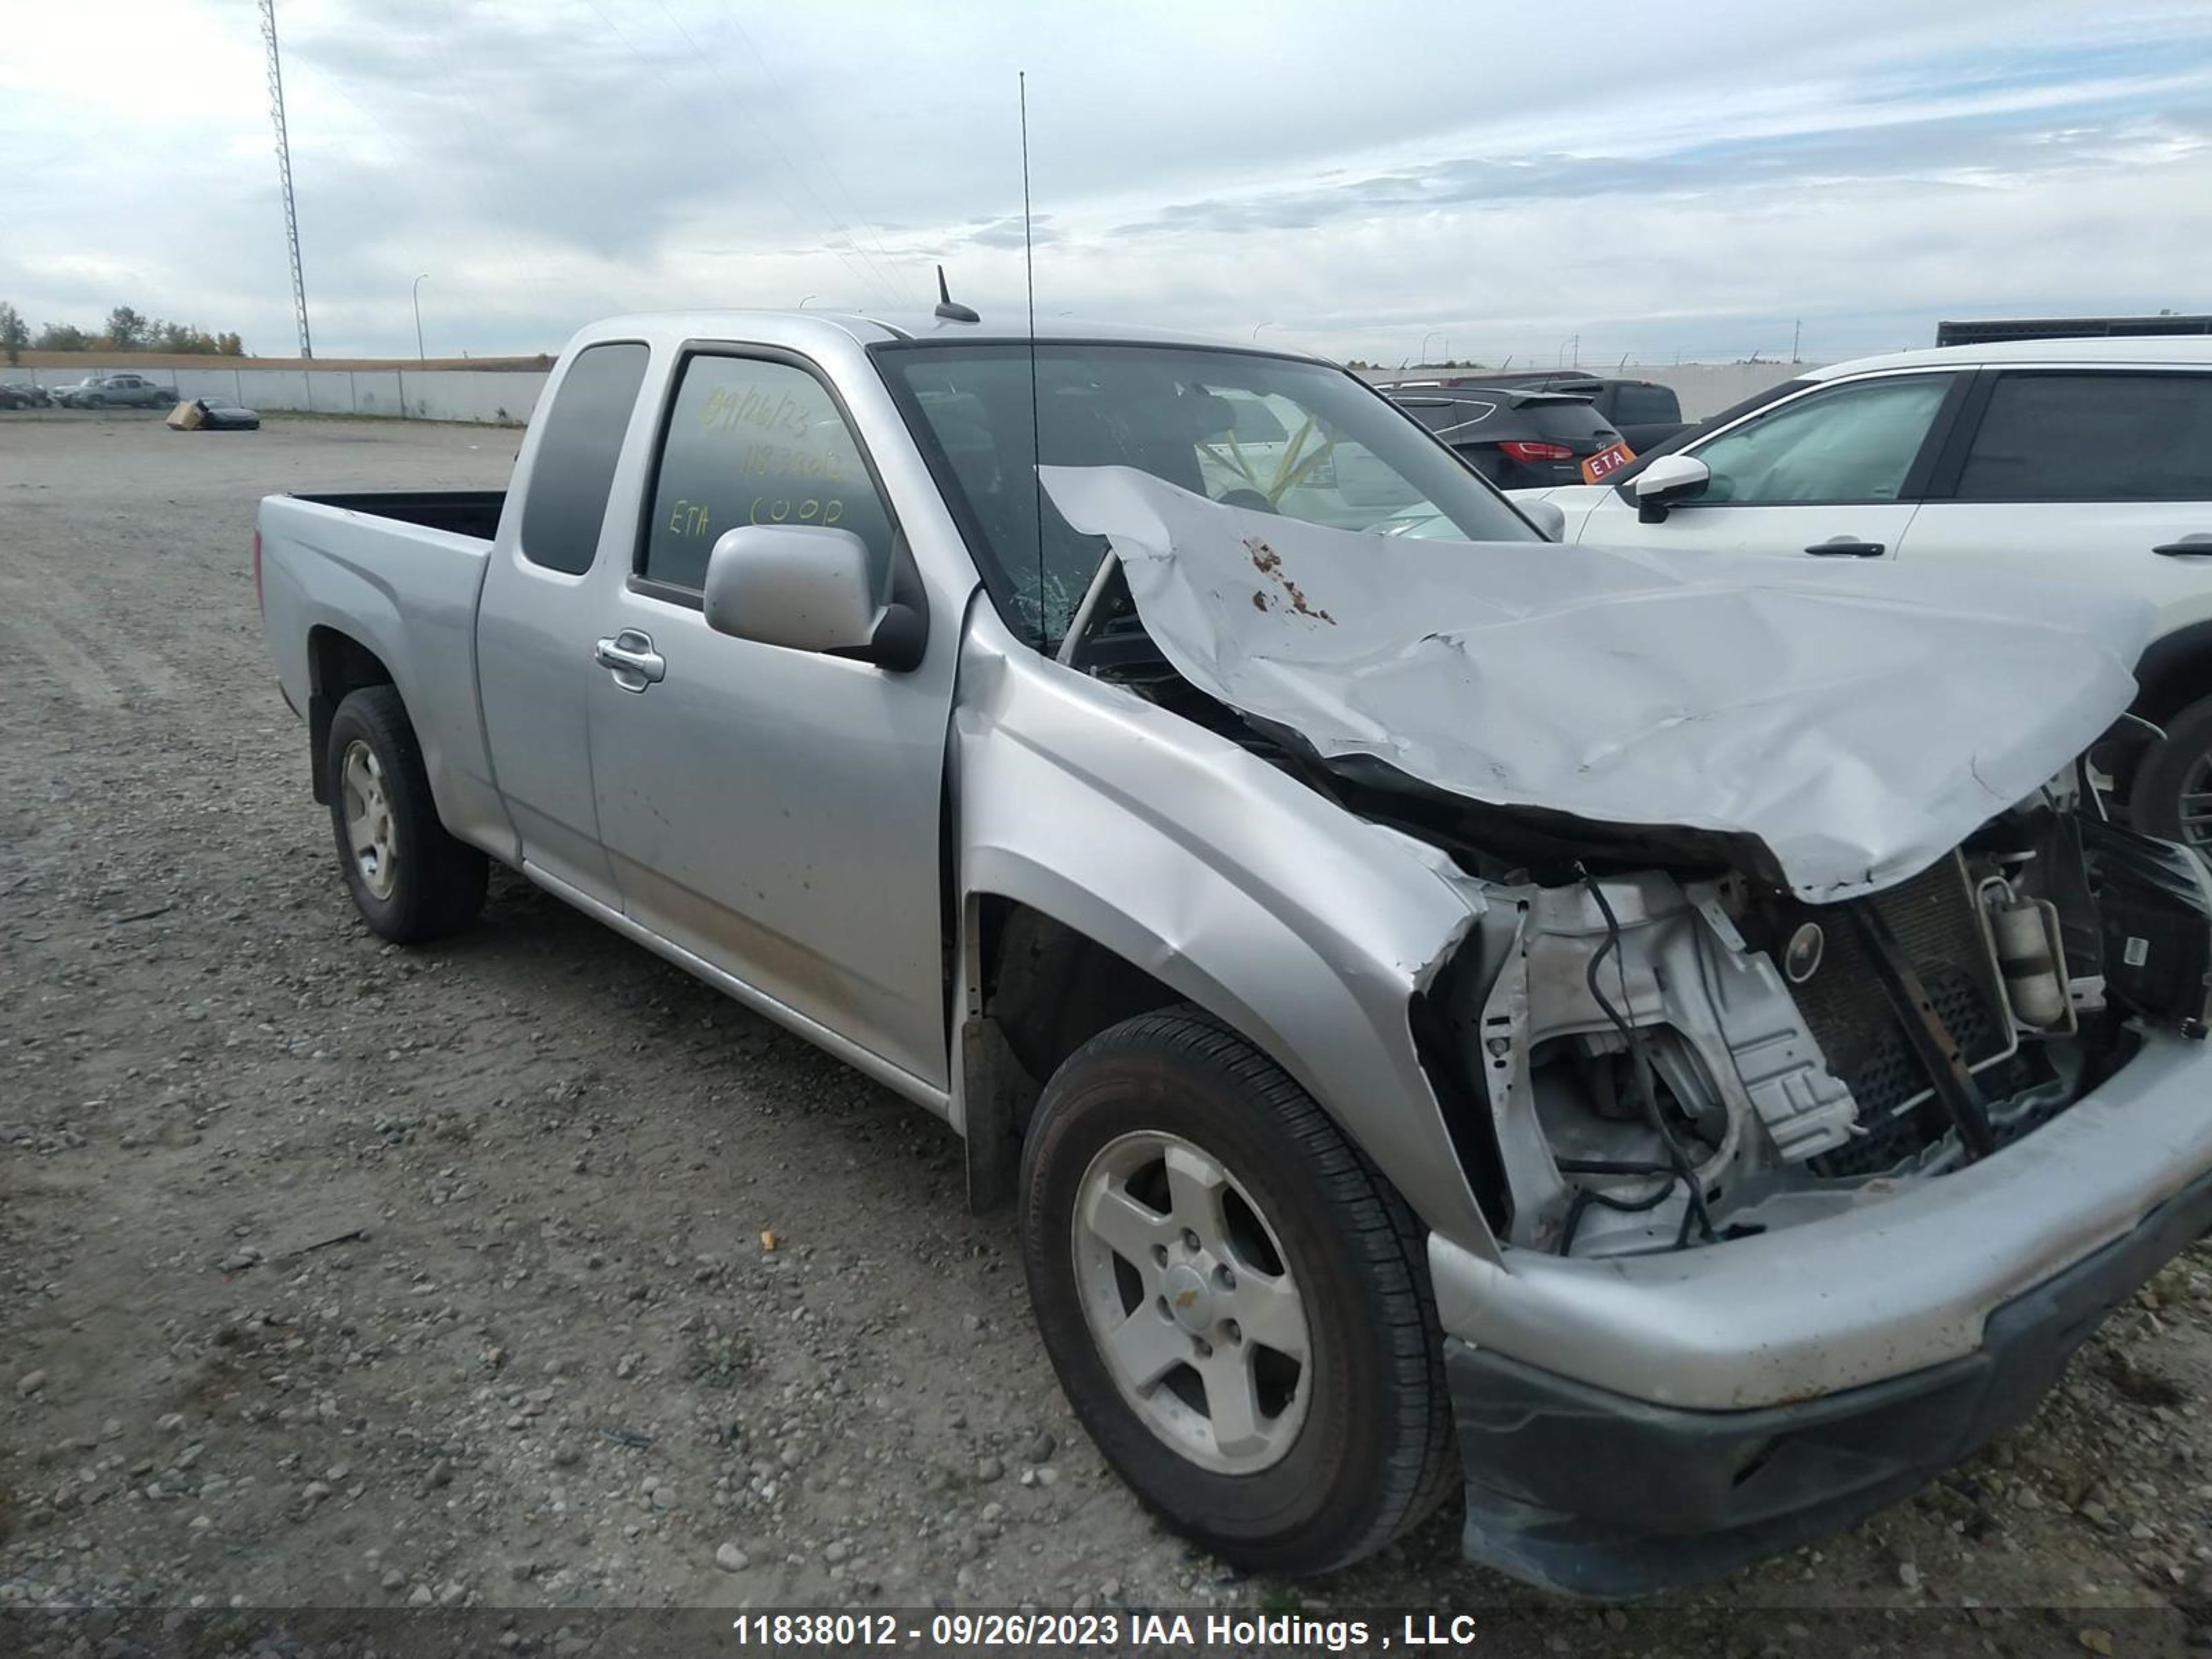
(1425,338)
(1257,327)
(417,292)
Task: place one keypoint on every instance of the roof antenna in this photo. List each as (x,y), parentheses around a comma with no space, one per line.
(947,309)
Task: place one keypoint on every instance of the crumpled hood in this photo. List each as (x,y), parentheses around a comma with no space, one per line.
(1859,720)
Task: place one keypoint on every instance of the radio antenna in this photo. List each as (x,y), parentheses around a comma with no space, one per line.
(1036,434)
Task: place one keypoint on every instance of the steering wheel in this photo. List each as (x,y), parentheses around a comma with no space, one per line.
(1250,498)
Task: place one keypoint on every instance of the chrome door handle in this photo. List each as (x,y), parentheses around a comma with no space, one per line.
(630,658)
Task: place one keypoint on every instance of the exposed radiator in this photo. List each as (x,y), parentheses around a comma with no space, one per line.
(1934,918)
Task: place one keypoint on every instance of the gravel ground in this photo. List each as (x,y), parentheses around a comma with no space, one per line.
(525,1271)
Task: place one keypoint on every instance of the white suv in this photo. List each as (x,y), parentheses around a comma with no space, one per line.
(2083,460)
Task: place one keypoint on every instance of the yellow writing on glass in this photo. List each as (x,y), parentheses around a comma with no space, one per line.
(765,460)
(687,518)
(788,509)
(751,405)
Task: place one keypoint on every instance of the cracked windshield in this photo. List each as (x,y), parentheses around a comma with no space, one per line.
(1271,435)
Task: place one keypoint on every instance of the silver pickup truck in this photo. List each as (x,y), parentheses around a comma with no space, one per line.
(115,392)
(1672,1043)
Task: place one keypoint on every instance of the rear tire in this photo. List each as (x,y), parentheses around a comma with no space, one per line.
(2173,785)
(1169,1126)
(410,880)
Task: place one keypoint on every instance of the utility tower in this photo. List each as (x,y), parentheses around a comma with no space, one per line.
(284,174)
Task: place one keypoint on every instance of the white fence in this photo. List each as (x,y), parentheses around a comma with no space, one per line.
(494,397)
(505,397)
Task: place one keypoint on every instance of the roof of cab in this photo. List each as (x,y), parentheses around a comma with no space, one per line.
(2138,349)
(870,328)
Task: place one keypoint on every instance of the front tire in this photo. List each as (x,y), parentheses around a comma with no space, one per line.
(410,880)
(1236,1302)
(2173,793)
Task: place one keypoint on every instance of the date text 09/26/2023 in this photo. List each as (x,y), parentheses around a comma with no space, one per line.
(1165,1632)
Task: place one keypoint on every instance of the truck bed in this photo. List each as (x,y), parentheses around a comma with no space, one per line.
(388,581)
(472,513)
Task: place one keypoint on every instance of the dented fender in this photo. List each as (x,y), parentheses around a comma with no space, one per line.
(1308,930)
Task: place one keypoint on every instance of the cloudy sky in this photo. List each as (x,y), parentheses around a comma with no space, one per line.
(1364,178)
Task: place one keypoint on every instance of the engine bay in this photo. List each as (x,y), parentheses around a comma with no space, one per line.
(1675,1058)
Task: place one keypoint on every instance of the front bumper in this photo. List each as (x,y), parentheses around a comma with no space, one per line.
(1903,1280)
(1594,1494)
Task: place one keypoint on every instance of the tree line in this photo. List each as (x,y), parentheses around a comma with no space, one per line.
(127,330)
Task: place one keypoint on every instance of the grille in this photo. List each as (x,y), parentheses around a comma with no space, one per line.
(1934,918)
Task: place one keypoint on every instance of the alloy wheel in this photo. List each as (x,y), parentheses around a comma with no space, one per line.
(369,830)
(1191,1301)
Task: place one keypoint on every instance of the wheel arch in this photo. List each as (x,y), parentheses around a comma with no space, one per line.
(2174,671)
(1045,966)
(339,665)
(1063,962)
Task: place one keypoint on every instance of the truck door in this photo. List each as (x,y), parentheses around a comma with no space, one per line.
(774,812)
(539,616)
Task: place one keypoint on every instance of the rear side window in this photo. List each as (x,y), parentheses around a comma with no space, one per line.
(576,454)
(2093,437)
(755,441)
(1642,405)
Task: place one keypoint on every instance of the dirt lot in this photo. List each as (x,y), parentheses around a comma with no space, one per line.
(337,1275)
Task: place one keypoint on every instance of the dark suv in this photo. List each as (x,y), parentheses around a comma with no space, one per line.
(1643,412)
(1518,438)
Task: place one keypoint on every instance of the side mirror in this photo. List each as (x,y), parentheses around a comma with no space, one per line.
(1666,483)
(1548,517)
(806,588)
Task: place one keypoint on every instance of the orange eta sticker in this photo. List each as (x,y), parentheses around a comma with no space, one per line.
(1610,459)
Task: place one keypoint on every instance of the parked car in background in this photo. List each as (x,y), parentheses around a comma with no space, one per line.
(1706,1055)
(216,413)
(1645,413)
(116,391)
(2077,460)
(223,415)
(22,394)
(1518,438)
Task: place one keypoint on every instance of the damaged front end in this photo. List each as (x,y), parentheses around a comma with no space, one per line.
(1825,1064)
(1664,1058)
(1760,941)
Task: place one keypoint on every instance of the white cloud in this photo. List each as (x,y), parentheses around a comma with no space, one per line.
(1358,176)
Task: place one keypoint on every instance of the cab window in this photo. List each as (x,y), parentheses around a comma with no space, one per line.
(751,441)
(577,451)
(1644,405)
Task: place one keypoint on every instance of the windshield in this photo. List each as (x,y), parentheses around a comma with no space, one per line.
(1270,433)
